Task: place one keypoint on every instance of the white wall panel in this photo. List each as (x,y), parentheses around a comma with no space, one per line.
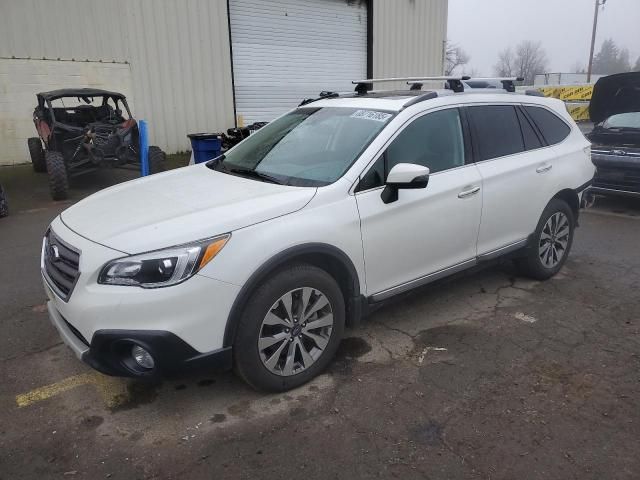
(20,80)
(177,53)
(288,50)
(408,38)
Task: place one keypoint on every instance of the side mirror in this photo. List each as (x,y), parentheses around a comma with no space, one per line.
(404,176)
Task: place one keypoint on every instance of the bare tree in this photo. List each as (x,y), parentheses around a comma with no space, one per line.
(528,60)
(637,66)
(454,57)
(506,64)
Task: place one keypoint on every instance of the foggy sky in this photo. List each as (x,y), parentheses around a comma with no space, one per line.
(484,27)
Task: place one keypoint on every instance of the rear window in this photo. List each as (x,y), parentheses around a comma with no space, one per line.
(497,130)
(553,129)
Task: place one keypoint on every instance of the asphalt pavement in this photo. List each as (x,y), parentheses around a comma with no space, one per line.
(488,375)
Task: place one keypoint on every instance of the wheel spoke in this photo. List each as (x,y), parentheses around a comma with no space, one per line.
(321,342)
(320,303)
(272,361)
(544,236)
(287,302)
(291,355)
(266,342)
(272,319)
(563,233)
(325,321)
(543,249)
(307,359)
(306,295)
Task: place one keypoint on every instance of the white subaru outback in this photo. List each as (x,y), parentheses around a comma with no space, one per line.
(258,259)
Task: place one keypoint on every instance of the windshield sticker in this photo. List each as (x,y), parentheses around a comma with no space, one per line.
(371,115)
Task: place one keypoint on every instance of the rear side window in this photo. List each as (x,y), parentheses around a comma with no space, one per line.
(531,140)
(497,130)
(552,128)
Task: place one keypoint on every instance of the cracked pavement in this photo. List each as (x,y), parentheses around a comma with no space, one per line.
(486,375)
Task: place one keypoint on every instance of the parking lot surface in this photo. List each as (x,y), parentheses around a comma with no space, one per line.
(487,375)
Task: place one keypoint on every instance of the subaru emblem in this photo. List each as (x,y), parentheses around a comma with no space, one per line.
(54,253)
(619,152)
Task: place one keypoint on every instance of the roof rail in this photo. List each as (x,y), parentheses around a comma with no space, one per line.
(364,86)
(420,98)
(322,95)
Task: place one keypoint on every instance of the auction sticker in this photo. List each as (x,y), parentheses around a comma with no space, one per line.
(371,115)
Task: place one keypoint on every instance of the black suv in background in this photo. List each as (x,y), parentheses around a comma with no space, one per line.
(615,111)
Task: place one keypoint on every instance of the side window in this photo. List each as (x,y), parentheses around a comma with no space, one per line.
(374,177)
(434,140)
(497,130)
(553,129)
(531,140)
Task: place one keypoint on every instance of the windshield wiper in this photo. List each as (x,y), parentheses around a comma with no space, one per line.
(254,174)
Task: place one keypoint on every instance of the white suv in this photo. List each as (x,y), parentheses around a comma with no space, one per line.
(258,259)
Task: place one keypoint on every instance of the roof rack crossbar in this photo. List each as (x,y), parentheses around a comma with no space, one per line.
(366,85)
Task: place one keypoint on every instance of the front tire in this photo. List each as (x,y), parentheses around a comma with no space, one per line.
(551,243)
(37,155)
(290,329)
(58,179)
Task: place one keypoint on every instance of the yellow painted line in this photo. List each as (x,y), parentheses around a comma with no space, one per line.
(112,390)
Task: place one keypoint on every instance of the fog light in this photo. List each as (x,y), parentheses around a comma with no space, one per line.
(142,357)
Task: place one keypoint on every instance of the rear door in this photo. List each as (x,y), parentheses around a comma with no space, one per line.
(515,167)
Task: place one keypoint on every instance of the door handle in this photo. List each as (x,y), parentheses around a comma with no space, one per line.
(468,193)
(544,168)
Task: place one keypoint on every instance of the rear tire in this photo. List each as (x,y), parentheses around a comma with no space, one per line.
(311,342)
(4,205)
(58,180)
(551,243)
(157,160)
(37,155)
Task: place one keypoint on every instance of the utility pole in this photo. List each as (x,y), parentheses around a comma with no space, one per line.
(599,3)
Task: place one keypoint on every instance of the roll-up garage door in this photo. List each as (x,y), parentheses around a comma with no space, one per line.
(287,50)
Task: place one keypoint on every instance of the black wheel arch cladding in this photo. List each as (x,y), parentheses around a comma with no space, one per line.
(327,257)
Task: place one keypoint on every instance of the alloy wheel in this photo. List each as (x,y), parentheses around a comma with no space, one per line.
(554,240)
(295,331)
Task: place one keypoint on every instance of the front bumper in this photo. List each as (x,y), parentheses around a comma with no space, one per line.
(617,173)
(181,326)
(110,350)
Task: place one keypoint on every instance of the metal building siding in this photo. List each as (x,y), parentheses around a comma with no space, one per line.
(181,64)
(408,37)
(287,50)
(178,52)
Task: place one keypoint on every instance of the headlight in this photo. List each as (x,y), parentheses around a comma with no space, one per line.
(162,268)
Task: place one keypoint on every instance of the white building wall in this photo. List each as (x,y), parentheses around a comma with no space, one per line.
(408,38)
(176,52)
(20,80)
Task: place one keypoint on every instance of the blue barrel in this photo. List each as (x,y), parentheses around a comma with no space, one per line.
(205,146)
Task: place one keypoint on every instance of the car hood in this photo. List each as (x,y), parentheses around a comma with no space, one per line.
(615,94)
(180,206)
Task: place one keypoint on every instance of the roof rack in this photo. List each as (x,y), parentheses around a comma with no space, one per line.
(364,86)
(508,83)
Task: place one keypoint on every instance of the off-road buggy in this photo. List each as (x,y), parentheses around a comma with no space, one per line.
(83,129)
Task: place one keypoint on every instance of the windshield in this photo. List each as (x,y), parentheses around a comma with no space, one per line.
(307,147)
(623,120)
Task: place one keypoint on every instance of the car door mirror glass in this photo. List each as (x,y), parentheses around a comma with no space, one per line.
(404,176)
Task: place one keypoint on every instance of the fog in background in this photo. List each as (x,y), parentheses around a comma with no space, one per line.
(485,27)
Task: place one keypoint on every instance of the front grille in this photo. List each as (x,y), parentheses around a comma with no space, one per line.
(61,263)
(627,179)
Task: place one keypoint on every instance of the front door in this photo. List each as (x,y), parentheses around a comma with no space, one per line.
(429,231)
